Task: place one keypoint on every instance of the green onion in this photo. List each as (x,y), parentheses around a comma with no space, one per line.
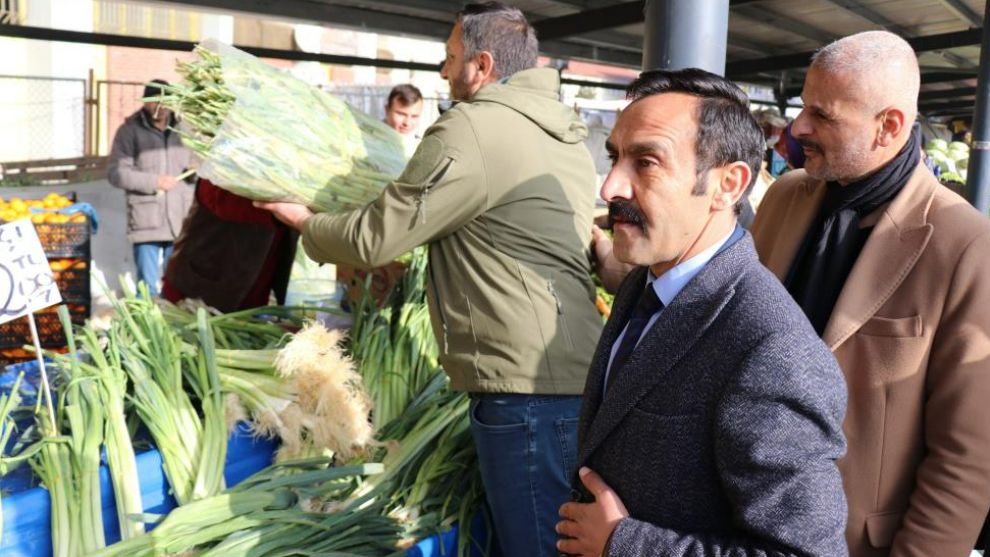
(267,135)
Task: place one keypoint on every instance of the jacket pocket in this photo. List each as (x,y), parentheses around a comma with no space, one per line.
(695,417)
(561,317)
(144,212)
(882,527)
(494,414)
(438,304)
(896,327)
(567,437)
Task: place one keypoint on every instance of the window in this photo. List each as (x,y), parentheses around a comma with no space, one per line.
(116,17)
(8,12)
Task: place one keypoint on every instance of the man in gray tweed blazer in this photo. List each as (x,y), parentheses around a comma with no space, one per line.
(712,413)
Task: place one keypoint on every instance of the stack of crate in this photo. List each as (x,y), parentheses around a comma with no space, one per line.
(67,246)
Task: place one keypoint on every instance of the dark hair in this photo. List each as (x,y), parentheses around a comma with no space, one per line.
(406,93)
(155,88)
(501,30)
(727,131)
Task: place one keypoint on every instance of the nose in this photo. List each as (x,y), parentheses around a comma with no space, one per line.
(801,126)
(617,185)
(443,69)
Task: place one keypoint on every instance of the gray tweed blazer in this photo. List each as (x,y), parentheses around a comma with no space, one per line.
(721,433)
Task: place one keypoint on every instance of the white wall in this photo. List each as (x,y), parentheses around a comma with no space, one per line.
(46,117)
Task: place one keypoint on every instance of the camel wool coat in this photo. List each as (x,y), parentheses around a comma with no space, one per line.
(911,332)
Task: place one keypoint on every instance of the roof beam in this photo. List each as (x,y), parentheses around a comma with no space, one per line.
(323,12)
(373,20)
(601,17)
(955,60)
(943,77)
(880,20)
(770,17)
(963,12)
(946,93)
(945,106)
(870,15)
(590,20)
(920,44)
(739,42)
(609,39)
(562,49)
(61,35)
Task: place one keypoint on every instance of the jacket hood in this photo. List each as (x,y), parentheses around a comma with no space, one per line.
(535,93)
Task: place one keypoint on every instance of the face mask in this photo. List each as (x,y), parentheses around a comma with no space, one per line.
(772,140)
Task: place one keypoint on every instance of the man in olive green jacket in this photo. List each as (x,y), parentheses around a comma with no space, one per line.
(502,190)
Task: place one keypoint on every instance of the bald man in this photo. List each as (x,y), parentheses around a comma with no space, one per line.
(893,271)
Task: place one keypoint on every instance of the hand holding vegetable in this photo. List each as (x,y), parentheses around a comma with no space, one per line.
(292,214)
(166,182)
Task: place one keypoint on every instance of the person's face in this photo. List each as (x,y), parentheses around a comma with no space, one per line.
(158,112)
(403,118)
(836,129)
(461,73)
(656,216)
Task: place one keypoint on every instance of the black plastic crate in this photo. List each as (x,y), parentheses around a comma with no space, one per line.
(68,239)
(17,333)
(73,283)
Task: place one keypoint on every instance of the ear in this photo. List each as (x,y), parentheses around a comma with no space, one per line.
(733,179)
(486,66)
(892,125)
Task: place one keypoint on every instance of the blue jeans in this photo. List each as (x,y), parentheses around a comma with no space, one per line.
(527,448)
(149,258)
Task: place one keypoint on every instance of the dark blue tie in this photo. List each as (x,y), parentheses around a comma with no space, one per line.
(646,306)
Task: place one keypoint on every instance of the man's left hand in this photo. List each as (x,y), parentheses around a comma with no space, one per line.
(292,214)
(587,527)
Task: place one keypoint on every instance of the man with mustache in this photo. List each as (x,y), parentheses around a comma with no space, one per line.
(893,271)
(501,189)
(712,412)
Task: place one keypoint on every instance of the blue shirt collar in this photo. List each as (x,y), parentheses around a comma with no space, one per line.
(670,284)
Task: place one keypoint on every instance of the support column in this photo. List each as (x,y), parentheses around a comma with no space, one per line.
(978,174)
(685,34)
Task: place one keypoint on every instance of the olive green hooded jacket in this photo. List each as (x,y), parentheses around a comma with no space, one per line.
(502,189)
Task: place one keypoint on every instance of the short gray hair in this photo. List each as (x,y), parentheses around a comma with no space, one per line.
(882,62)
(501,30)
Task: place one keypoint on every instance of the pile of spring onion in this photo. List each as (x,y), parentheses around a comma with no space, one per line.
(263,134)
(375,450)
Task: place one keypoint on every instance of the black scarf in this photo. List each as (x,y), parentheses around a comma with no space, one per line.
(834,241)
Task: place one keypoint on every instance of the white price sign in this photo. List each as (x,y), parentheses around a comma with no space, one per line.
(26,281)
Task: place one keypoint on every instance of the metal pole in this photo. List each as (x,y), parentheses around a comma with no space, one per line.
(87,130)
(686,34)
(97,118)
(978,173)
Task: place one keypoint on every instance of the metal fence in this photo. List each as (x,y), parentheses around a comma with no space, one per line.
(113,102)
(45,118)
(42,117)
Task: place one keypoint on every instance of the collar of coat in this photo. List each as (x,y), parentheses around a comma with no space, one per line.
(686,319)
(900,234)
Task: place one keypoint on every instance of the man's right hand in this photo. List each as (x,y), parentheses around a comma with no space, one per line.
(166,182)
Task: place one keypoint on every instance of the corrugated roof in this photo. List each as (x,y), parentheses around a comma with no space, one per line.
(762,33)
